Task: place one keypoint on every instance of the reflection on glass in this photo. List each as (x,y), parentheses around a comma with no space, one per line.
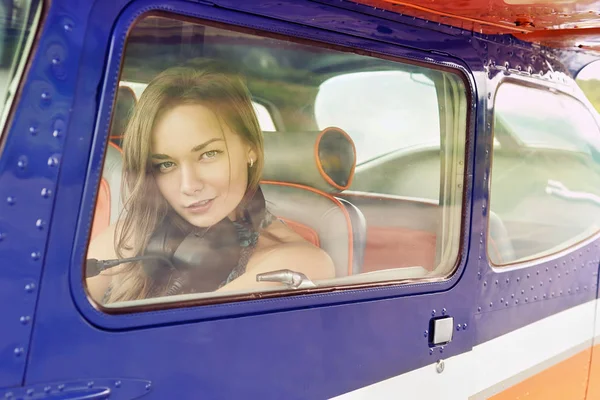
(545,178)
(380,105)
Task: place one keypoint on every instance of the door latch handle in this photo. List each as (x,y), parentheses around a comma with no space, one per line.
(441,330)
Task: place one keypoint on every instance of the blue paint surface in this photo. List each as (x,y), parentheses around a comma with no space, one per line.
(312,346)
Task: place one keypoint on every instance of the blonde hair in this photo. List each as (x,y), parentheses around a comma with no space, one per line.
(204,82)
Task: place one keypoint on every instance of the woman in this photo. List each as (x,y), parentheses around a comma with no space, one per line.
(193,156)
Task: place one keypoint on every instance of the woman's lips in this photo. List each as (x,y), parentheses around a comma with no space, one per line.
(200,207)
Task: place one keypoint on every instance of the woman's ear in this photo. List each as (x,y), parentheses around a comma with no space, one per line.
(252,156)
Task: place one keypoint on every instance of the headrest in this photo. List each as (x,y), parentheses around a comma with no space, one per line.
(322,160)
(123,108)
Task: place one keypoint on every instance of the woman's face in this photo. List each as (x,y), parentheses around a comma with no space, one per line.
(200,166)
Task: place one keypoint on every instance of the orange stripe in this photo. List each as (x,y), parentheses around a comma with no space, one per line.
(566,380)
(593,390)
(440,13)
(115,146)
(303,230)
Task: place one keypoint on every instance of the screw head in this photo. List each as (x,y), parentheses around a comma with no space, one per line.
(22,162)
(53,161)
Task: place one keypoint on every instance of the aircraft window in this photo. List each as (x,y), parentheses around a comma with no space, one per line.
(308,215)
(545,183)
(18,23)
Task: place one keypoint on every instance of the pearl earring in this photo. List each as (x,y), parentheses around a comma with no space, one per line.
(251,162)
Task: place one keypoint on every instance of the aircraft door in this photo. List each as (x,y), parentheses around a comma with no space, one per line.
(173,110)
(537,307)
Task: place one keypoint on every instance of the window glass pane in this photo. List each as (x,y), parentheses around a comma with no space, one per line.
(18,22)
(588,80)
(220,201)
(355,100)
(545,189)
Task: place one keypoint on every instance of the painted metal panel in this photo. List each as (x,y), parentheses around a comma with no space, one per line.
(29,167)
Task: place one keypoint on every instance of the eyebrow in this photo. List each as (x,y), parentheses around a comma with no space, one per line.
(194,150)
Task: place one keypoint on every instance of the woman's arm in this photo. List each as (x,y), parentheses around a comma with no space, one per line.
(101,248)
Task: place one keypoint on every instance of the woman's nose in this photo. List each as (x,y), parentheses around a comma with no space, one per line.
(190,181)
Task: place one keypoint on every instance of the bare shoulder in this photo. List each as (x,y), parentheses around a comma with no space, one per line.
(279,232)
(284,248)
(102,246)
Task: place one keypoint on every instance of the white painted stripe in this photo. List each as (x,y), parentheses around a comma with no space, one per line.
(489,364)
